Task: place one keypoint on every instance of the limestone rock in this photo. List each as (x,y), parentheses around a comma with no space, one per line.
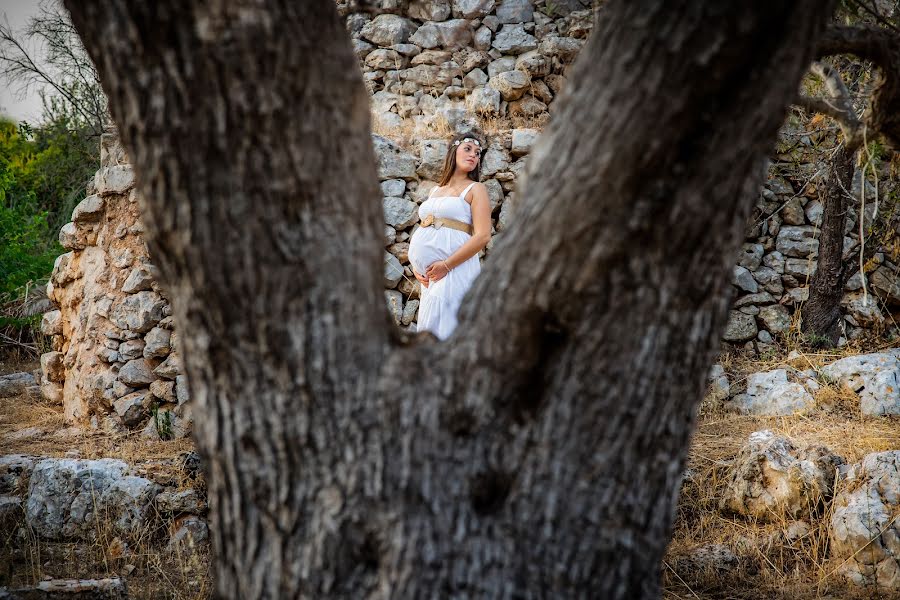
(112,588)
(717,382)
(751,256)
(185,501)
(51,323)
(393,270)
(523,140)
(513,39)
(73,237)
(742,278)
(429,10)
(798,242)
(182,393)
(157,343)
(393,187)
(472,9)
(15,470)
(116,179)
(410,309)
(864,530)
(400,213)
(133,408)
(526,106)
(511,84)
(475,78)
(534,63)
(395,304)
(494,160)
(393,163)
(66,497)
(506,212)
(793,213)
(89,209)
(164,390)
(433,153)
(386,30)
(169,368)
(771,478)
(874,377)
(775,318)
(484,100)
(451,35)
(886,283)
(52,391)
(863,308)
(770,393)
(137,373)
(15,383)
(769,279)
(740,327)
(564,48)
(52,366)
(482,40)
(140,279)
(515,11)
(139,312)
(130,349)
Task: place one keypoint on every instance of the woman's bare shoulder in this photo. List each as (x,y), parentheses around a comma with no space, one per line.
(477,187)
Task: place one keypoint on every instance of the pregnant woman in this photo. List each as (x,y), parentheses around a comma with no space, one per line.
(455,226)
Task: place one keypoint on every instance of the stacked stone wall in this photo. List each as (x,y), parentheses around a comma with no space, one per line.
(113,363)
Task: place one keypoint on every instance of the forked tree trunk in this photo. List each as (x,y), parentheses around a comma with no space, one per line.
(539,451)
(822,312)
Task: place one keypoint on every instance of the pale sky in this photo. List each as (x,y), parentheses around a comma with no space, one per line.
(17,12)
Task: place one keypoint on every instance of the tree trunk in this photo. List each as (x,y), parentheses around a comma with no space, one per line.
(539,451)
(822,312)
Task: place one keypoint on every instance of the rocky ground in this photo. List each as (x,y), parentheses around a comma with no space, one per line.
(121,511)
(802,503)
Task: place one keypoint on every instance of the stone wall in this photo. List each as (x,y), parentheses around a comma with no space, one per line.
(113,363)
(443,61)
(456,64)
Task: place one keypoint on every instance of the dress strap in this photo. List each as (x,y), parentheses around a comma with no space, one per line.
(466,191)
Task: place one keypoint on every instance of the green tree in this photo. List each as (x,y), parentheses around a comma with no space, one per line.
(27,245)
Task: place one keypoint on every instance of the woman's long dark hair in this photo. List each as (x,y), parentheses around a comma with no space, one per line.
(450,159)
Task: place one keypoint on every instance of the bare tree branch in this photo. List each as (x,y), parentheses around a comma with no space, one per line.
(865,41)
(839,107)
(62,64)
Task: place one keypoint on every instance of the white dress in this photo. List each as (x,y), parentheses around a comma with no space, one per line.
(440,301)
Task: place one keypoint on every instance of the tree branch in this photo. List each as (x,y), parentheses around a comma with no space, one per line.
(865,41)
(839,107)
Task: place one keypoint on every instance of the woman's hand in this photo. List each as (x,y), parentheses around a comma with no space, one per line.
(437,270)
(422,279)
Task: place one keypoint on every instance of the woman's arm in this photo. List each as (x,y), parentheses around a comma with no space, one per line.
(481,224)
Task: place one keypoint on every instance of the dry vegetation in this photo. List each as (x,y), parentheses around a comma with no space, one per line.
(151,570)
(772,560)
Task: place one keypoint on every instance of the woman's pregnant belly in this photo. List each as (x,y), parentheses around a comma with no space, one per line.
(427,246)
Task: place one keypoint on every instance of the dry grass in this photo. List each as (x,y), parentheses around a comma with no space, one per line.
(770,565)
(150,569)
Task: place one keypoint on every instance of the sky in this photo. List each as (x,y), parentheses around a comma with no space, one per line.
(17,13)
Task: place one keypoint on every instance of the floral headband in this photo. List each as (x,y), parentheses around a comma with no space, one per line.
(468,139)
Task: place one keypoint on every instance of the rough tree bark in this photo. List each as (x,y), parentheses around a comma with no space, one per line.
(538,452)
(822,312)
